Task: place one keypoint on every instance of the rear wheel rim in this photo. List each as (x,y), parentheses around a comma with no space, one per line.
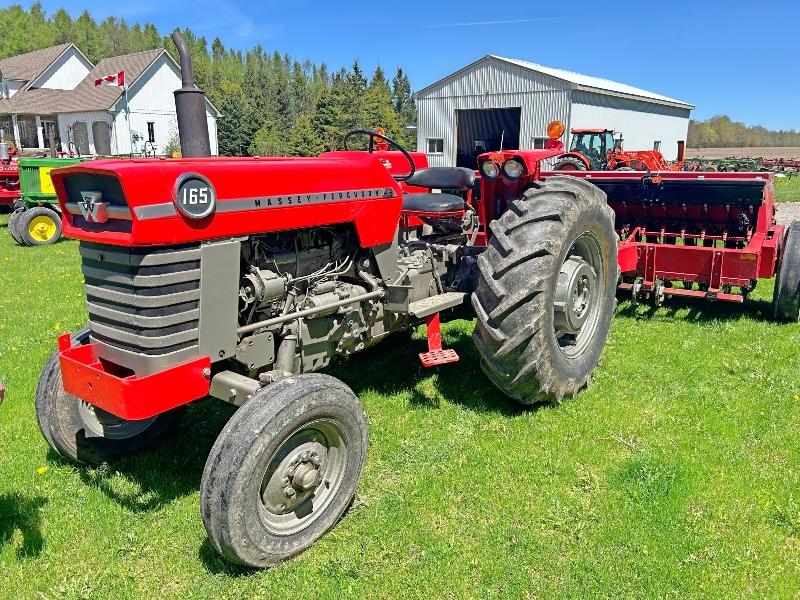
(42,228)
(302,477)
(579,296)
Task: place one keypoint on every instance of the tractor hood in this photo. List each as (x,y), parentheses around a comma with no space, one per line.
(140,202)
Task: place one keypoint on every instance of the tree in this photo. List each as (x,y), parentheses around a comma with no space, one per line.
(270,103)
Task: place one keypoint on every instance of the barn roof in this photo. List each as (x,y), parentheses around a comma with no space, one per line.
(577,80)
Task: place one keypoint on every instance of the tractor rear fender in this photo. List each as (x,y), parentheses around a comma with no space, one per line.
(139,198)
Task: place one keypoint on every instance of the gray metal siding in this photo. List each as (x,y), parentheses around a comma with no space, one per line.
(437,118)
(640,123)
(490,84)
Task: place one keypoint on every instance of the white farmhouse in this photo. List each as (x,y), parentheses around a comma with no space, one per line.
(54,89)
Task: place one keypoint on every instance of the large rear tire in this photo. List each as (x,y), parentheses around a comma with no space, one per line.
(546,291)
(85,435)
(786,297)
(569,163)
(283,470)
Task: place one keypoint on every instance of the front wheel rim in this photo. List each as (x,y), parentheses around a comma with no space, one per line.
(302,477)
(579,296)
(42,228)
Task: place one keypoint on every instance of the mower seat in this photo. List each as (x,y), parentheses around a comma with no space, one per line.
(439,178)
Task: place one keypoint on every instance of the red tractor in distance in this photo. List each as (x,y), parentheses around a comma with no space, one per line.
(239,278)
(599,150)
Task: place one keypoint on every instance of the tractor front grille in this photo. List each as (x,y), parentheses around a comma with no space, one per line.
(145,301)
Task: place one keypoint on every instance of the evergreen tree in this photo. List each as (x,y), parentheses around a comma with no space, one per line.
(270,103)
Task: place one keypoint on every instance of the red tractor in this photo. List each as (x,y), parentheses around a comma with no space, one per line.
(239,278)
(599,150)
(9,174)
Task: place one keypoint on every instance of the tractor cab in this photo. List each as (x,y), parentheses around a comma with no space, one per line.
(593,144)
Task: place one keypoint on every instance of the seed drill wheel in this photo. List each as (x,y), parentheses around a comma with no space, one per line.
(13,224)
(569,163)
(546,291)
(83,434)
(39,226)
(283,470)
(786,298)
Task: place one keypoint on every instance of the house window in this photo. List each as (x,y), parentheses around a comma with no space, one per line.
(151,132)
(435,146)
(539,142)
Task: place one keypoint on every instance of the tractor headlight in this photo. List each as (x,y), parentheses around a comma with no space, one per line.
(513,169)
(490,169)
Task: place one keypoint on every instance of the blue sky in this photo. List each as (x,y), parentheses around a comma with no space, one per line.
(735,57)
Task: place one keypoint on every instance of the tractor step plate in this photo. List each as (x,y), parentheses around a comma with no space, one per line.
(438,357)
(434,304)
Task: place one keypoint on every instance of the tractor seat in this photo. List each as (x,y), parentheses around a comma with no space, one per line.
(433,203)
(439,178)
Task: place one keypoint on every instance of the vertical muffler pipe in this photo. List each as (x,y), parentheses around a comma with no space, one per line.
(190,104)
(681,150)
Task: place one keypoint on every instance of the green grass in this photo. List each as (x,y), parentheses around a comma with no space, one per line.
(787,189)
(677,474)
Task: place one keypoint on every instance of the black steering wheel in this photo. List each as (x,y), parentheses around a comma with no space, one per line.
(374,134)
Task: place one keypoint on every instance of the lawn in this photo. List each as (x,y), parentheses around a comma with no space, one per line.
(787,189)
(677,474)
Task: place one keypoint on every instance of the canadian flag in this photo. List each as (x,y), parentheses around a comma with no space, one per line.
(117,79)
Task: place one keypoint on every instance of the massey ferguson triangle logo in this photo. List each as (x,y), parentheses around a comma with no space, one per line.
(92,209)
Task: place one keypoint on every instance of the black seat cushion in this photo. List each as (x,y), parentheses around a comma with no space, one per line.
(444,178)
(432,202)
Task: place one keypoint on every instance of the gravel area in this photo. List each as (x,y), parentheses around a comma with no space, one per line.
(788,212)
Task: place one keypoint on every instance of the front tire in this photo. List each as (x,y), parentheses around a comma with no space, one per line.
(83,434)
(546,291)
(786,297)
(39,226)
(283,470)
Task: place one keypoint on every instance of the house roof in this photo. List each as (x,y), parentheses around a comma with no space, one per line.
(578,81)
(28,66)
(86,96)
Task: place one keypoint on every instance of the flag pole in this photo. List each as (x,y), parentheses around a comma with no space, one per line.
(128,118)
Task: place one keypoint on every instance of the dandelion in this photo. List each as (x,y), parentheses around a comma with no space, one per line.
(42,470)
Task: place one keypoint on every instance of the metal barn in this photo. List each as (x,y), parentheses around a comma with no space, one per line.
(498,100)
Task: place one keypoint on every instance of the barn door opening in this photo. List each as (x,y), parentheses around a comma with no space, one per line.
(484,130)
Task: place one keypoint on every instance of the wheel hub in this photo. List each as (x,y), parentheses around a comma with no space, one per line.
(296,478)
(574,294)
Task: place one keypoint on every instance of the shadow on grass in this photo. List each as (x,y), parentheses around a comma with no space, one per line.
(20,513)
(393,367)
(146,481)
(695,310)
(217,565)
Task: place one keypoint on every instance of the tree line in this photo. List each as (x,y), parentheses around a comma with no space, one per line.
(271,104)
(721,132)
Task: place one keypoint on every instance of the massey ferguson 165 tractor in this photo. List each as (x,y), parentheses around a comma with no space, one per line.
(238,278)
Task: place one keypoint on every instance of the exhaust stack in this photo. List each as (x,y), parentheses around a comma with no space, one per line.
(190,104)
(681,150)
